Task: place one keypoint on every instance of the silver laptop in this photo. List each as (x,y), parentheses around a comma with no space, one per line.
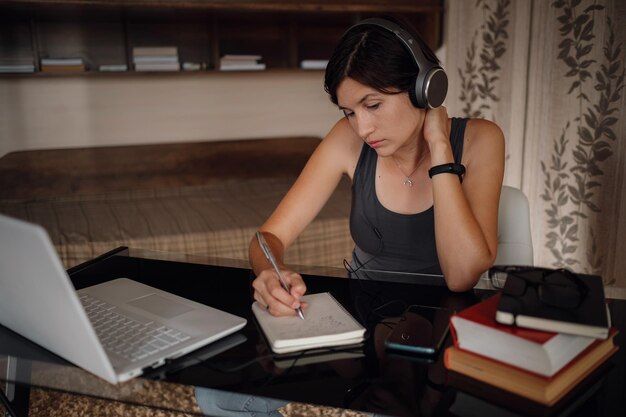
(115,330)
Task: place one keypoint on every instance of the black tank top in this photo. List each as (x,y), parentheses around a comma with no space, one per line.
(390,241)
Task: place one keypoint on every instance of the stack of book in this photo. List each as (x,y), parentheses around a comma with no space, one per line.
(63,65)
(156,58)
(241,63)
(538,365)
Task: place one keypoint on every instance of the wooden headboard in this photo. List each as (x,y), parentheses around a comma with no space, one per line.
(62,172)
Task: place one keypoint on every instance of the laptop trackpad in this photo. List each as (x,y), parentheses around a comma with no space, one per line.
(160,306)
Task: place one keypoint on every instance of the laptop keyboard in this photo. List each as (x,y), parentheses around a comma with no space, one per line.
(125,336)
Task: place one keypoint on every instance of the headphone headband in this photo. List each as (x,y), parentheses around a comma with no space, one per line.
(431,83)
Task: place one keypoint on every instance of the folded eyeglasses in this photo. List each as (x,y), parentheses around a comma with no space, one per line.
(559,288)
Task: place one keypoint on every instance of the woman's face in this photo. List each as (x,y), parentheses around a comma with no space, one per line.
(386,122)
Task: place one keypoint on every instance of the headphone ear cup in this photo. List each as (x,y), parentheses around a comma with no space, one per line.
(413,95)
(429,91)
(435,88)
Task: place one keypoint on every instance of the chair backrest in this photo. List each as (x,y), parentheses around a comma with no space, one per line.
(514,239)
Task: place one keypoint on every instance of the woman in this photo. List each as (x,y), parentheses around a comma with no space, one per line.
(412,209)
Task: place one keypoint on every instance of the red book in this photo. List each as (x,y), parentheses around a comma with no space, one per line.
(544,353)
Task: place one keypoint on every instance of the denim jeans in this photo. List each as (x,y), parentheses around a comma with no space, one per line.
(217,403)
(229,404)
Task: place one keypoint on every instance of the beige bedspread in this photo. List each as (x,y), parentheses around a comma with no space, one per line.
(216,219)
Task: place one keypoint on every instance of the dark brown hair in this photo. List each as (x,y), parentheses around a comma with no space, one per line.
(375,57)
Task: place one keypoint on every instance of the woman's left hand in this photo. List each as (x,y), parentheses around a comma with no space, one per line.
(436,126)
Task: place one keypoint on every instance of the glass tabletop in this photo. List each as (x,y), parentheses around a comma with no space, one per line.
(242,369)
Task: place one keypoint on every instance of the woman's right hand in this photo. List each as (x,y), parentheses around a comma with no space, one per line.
(268,292)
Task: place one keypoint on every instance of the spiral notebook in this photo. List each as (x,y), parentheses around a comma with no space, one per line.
(327,324)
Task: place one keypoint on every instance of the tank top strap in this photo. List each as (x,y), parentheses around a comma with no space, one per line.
(365,168)
(457,134)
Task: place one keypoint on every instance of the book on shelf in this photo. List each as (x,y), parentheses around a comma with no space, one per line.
(232,58)
(241,63)
(545,353)
(113,68)
(63,68)
(16,68)
(538,388)
(155,51)
(151,59)
(63,65)
(62,61)
(327,324)
(313,64)
(590,318)
(193,66)
(243,67)
(157,66)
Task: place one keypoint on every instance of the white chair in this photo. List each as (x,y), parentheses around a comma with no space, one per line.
(514,240)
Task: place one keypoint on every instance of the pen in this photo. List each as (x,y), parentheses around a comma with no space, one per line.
(270,257)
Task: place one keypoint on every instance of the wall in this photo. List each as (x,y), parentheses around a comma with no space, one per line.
(54,112)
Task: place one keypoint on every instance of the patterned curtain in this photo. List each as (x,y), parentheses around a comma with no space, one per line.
(551,74)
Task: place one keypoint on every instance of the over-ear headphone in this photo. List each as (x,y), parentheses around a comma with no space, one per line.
(431,83)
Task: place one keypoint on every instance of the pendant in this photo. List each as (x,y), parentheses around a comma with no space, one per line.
(408,182)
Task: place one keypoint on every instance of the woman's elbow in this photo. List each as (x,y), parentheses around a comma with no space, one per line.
(463,278)
(461,284)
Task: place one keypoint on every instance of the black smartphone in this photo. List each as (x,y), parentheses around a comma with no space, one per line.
(421,330)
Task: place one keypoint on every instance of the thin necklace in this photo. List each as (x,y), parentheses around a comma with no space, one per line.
(407,178)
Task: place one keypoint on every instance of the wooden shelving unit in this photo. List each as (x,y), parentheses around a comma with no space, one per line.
(284,32)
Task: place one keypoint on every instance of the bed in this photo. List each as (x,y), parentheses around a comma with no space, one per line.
(204,198)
